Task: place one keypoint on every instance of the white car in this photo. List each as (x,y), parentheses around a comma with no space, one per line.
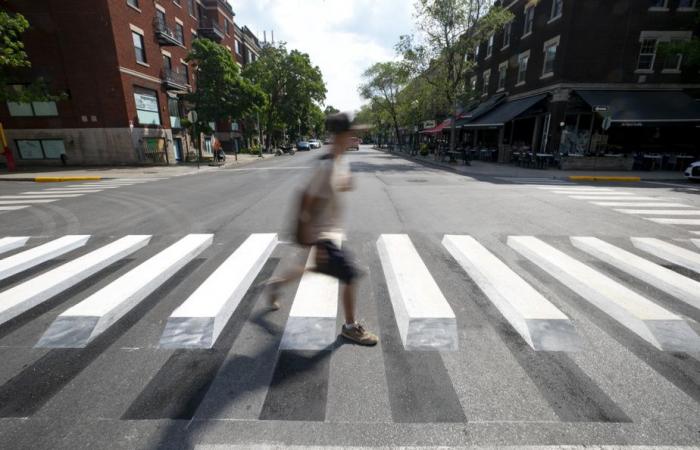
(315,143)
(693,171)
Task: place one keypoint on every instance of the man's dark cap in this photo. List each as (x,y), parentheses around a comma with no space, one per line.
(338,123)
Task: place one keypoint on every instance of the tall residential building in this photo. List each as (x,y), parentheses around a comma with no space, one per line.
(122,65)
(580,77)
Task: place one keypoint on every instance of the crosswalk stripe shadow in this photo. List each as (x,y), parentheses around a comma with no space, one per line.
(25,393)
(179,387)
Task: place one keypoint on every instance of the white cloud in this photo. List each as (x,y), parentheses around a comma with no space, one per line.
(342,37)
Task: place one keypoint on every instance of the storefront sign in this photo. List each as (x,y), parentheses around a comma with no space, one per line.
(632,124)
(429,124)
(146,102)
(600,108)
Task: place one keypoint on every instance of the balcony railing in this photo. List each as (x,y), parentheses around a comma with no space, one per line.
(210,29)
(166,35)
(174,80)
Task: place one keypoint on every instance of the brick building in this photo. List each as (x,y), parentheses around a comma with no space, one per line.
(575,77)
(122,64)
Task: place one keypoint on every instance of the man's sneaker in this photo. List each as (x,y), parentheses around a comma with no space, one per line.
(357,333)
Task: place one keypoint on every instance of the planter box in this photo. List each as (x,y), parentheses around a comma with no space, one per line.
(596,163)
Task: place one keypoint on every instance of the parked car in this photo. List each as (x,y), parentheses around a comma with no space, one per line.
(693,171)
(327,141)
(303,146)
(354,144)
(315,143)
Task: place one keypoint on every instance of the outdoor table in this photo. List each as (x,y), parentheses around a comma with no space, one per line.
(543,160)
(654,161)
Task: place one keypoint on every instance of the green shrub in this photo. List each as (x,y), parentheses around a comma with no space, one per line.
(424,150)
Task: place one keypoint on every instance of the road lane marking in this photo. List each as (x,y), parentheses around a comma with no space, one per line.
(587,192)
(12,242)
(667,280)
(575,188)
(423,315)
(29,200)
(80,324)
(199,320)
(71,191)
(661,212)
(642,204)
(311,324)
(29,258)
(29,294)
(676,221)
(656,325)
(19,197)
(83,187)
(620,197)
(669,252)
(541,324)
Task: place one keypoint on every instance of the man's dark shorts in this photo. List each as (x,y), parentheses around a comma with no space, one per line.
(338,264)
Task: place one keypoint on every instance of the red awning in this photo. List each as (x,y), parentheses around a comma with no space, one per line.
(438,129)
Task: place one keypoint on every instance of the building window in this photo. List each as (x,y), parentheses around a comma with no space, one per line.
(550,55)
(523,59)
(672,63)
(489,47)
(238,47)
(226,27)
(31,109)
(194,36)
(647,54)
(557,9)
(174,111)
(502,73)
(487,77)
(180,33)
(472,84)
(40,148)
(658,5)
(134,3)
(687,5)
(186,71)
(139,48)
(529,19)
(190,7)
(146,106)
(167,62)
(506,34)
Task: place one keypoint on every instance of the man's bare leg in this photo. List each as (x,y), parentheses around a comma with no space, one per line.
(349,303)
(273,285)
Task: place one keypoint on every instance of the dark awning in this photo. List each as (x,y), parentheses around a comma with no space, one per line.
(505,112)
(479,110)
(644,106)
(438,129)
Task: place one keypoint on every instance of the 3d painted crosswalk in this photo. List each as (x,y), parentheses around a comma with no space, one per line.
(423,315)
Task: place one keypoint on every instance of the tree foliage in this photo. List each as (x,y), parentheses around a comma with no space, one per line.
(383,84)
(222,93)
(14,64)
(292,85)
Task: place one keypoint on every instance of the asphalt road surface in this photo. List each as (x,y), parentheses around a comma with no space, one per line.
(496,327)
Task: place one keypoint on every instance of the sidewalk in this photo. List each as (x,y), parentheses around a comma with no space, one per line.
(49,174)
(481,168)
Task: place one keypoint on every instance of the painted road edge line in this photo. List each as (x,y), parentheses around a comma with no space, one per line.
(80,324)
(541,324)
(656,325)
(199,320)
(423,315)
(29,294)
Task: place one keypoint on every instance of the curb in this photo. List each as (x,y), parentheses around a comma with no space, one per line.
(602,178)
(60,179)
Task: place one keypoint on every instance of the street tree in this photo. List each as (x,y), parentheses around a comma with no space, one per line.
(330,110)
(443,51)
(292,86)
(383,83)
(222,93)
(15,64)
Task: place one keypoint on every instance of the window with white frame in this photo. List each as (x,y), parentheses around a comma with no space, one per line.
(238,47)
(687,5)
(139,47)
(147,109)
(658,5)
(502,73)
(557,9)
(487,77)
(31,109)
(472,84)
(489,47)
(672,63)
(550,56)
(40,148)
(649,43)
(506,34)
(529,19)
(523,59)
(647,54)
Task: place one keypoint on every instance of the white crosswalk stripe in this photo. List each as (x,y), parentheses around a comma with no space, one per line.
(612,197)
(658,276)
(80,324)
(12,243)
(27,201)
(27,295)
(536,181)
(669,252)
(661,212)
(311,324)
(37,255)
(597,194)
(536,319)
(21,197)
(642,204)
(423,315)
(85,187)
(656,325)
(575,188)
(673,221)
(198,322)
(13,208)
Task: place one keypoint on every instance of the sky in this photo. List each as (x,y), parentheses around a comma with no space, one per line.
(342,37)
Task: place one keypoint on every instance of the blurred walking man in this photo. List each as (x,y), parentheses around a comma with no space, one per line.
(319,225)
